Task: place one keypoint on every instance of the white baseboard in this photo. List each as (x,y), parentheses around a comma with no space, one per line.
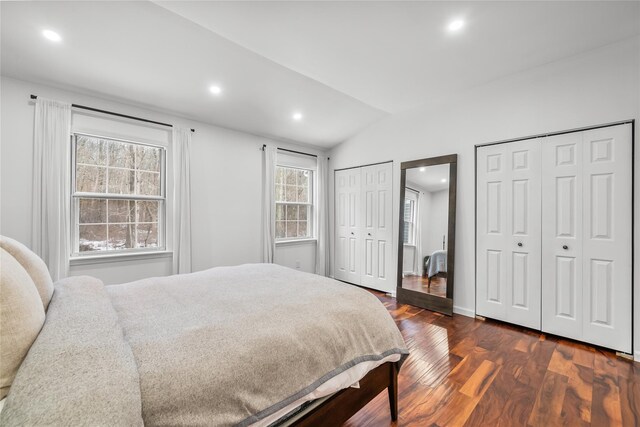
(464,311)
(637,356)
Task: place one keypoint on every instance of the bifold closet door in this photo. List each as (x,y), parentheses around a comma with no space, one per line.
(377,231)
(586,238)
(348,212)
(508,232)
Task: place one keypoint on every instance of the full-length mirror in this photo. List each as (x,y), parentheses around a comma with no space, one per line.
(427,233)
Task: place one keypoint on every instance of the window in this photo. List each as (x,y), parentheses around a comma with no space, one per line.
(293,203)
(409,232)
(118,198)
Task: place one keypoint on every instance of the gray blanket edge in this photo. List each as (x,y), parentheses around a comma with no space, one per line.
(311,387)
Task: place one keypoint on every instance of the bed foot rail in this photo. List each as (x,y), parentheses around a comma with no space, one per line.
(345,403)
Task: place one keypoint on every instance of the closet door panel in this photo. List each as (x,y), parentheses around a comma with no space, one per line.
(348,253)
(607,237)
(369,189)
(562,280)
(385,226)
(377,231)
(492,176)
(523,228)
(341,217)
(508,275)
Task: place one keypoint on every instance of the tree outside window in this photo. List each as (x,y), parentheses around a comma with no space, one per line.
(293,203)
(118,195)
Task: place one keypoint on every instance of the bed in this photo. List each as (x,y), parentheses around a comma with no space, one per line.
(437,265)
(251,345)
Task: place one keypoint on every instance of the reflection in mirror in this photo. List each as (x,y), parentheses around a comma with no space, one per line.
(426,216)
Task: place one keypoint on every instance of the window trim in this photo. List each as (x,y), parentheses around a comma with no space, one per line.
(312,208)
(413,222)
(74,205)
(113,257)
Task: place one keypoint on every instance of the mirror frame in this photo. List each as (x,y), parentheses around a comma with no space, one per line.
(420,299)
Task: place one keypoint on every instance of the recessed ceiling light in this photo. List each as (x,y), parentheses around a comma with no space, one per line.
(297,116)
(216,90)
(51,35)
(423,169)
(455,25)
(443,180)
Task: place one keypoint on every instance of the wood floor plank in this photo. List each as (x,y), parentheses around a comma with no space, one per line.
(524,345)
(548,406)
(481,379)
(576,407)
(439,371)
(457,411)
(506,402)
(426,411)
(463,371)
(561,360)
(465,346)
(583,355)
(606,407)
(462,402)
(630,401)
(536,367)
(502,406)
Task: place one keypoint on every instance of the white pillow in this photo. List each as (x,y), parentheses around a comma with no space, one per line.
(21,317)
(34,265)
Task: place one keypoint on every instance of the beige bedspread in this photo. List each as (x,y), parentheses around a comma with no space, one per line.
(226,346)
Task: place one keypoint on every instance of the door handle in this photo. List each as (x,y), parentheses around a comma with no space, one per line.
(565,247)
(520,244)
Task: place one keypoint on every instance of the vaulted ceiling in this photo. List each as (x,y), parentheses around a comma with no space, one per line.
(342,65)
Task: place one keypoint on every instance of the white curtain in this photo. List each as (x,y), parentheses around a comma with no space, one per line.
(181,201)
(50,228)
(322,206)
(269,157)
(417,262)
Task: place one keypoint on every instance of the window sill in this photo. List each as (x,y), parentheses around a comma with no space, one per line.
(294,241)
(408,245)
(99,259)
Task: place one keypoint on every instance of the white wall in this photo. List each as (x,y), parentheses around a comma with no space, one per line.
(226,176)
(601,86)
(437,223)
(425,218)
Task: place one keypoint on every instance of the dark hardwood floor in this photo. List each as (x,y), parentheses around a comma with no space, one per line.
(468,372)
(421,284)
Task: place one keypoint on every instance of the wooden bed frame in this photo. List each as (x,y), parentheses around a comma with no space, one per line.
(342,405)
(439,274)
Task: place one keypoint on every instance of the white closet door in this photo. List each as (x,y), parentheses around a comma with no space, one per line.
(508,232)
(348,212)
(377,230)
(491,279)
(587,236)
(607,237)
(562,212)
(523,228)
